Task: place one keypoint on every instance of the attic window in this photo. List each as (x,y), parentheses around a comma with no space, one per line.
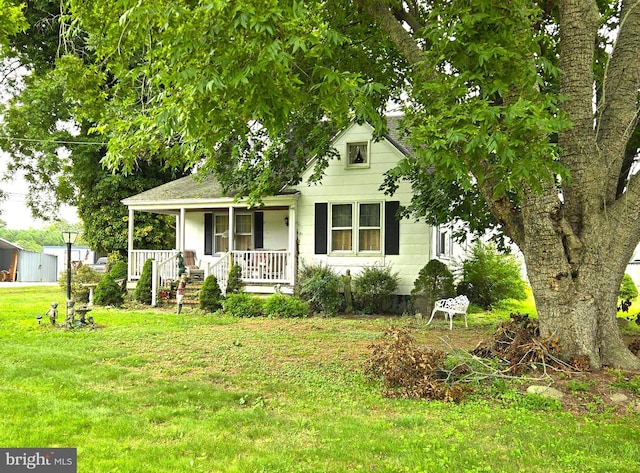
(357,154)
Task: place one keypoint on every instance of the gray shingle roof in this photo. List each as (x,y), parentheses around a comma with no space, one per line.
(189,187)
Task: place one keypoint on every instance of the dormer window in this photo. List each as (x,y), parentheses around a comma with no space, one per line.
(358,154)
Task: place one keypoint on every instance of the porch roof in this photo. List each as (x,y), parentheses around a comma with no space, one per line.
(194,191)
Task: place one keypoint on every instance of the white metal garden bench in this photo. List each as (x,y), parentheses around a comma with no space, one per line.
(455,305)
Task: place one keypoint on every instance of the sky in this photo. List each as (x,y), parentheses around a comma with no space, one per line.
(15,212)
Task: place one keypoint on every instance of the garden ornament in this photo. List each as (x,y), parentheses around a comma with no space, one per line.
(180,294)
(52,313)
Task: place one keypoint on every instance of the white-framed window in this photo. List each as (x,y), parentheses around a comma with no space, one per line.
(358,154)
(243,232)
(342,227)
(443,242)
(356,227)
(369,227)
(221,233)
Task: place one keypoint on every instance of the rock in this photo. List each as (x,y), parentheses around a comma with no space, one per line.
(619,398)
(545,391)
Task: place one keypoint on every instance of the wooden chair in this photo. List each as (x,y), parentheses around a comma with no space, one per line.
(193,270)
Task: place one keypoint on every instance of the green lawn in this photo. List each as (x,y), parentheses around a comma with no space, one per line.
(151,391)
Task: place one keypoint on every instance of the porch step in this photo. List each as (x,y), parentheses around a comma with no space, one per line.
(191,295)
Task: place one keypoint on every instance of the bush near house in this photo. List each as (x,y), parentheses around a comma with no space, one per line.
(143,288)
(280,305)
(242,305)
(628,289)
(320,286)
(434,282)
(80,276)
(489,277)
(108,292)
(234,281)
(210,294)
(374,289)
(119,270)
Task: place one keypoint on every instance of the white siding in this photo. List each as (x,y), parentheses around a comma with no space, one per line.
(342,184)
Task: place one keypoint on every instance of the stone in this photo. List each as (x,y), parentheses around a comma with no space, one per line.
(545,391)
(619,398)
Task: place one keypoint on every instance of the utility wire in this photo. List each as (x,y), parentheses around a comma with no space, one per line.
(33,140)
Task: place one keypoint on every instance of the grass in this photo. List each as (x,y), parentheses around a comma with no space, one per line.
(152,391)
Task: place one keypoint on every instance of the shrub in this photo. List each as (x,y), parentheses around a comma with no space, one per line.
(210,294)
(489,277)
(320,287)
(80,276)
(279,305)
(234,281)
(119,270)
(108,292)
(628,290)
(143,288)
(434,282)
(242,305)
(374,289)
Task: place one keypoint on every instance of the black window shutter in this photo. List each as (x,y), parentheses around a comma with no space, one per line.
(321,229)
(208,234)
(391,228)
(258,236)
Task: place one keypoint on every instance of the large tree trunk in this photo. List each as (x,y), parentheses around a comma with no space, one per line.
(575,282)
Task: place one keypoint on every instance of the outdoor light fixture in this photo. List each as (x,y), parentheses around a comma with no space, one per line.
(286,221)
(69,238)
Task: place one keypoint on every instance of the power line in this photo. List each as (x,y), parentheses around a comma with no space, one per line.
(33,140)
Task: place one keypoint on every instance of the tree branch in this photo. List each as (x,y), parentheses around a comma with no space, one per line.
(382,14)
(618,107)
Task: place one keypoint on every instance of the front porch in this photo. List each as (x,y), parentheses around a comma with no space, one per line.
(216,232)
(261,270)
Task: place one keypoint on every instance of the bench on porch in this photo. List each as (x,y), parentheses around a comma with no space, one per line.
(452,306)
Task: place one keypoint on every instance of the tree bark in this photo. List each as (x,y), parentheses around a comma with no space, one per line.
(575,282)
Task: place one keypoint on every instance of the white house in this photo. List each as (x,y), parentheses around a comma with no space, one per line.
(345,222)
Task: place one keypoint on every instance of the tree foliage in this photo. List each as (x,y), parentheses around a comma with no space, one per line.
(498,101)
(489,277)
(34,239)
(55,147)
(12,20)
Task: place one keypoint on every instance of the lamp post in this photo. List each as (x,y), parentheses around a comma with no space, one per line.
(69,238)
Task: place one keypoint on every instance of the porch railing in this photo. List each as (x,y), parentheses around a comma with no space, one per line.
(220,269)
(137,259)
(257,266)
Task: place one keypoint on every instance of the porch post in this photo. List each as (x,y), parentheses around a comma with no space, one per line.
(130,244)
(232,230)
(182,229)
(293,255)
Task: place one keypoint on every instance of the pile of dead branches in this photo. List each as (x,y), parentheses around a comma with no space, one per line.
(517,342)
(409,370)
